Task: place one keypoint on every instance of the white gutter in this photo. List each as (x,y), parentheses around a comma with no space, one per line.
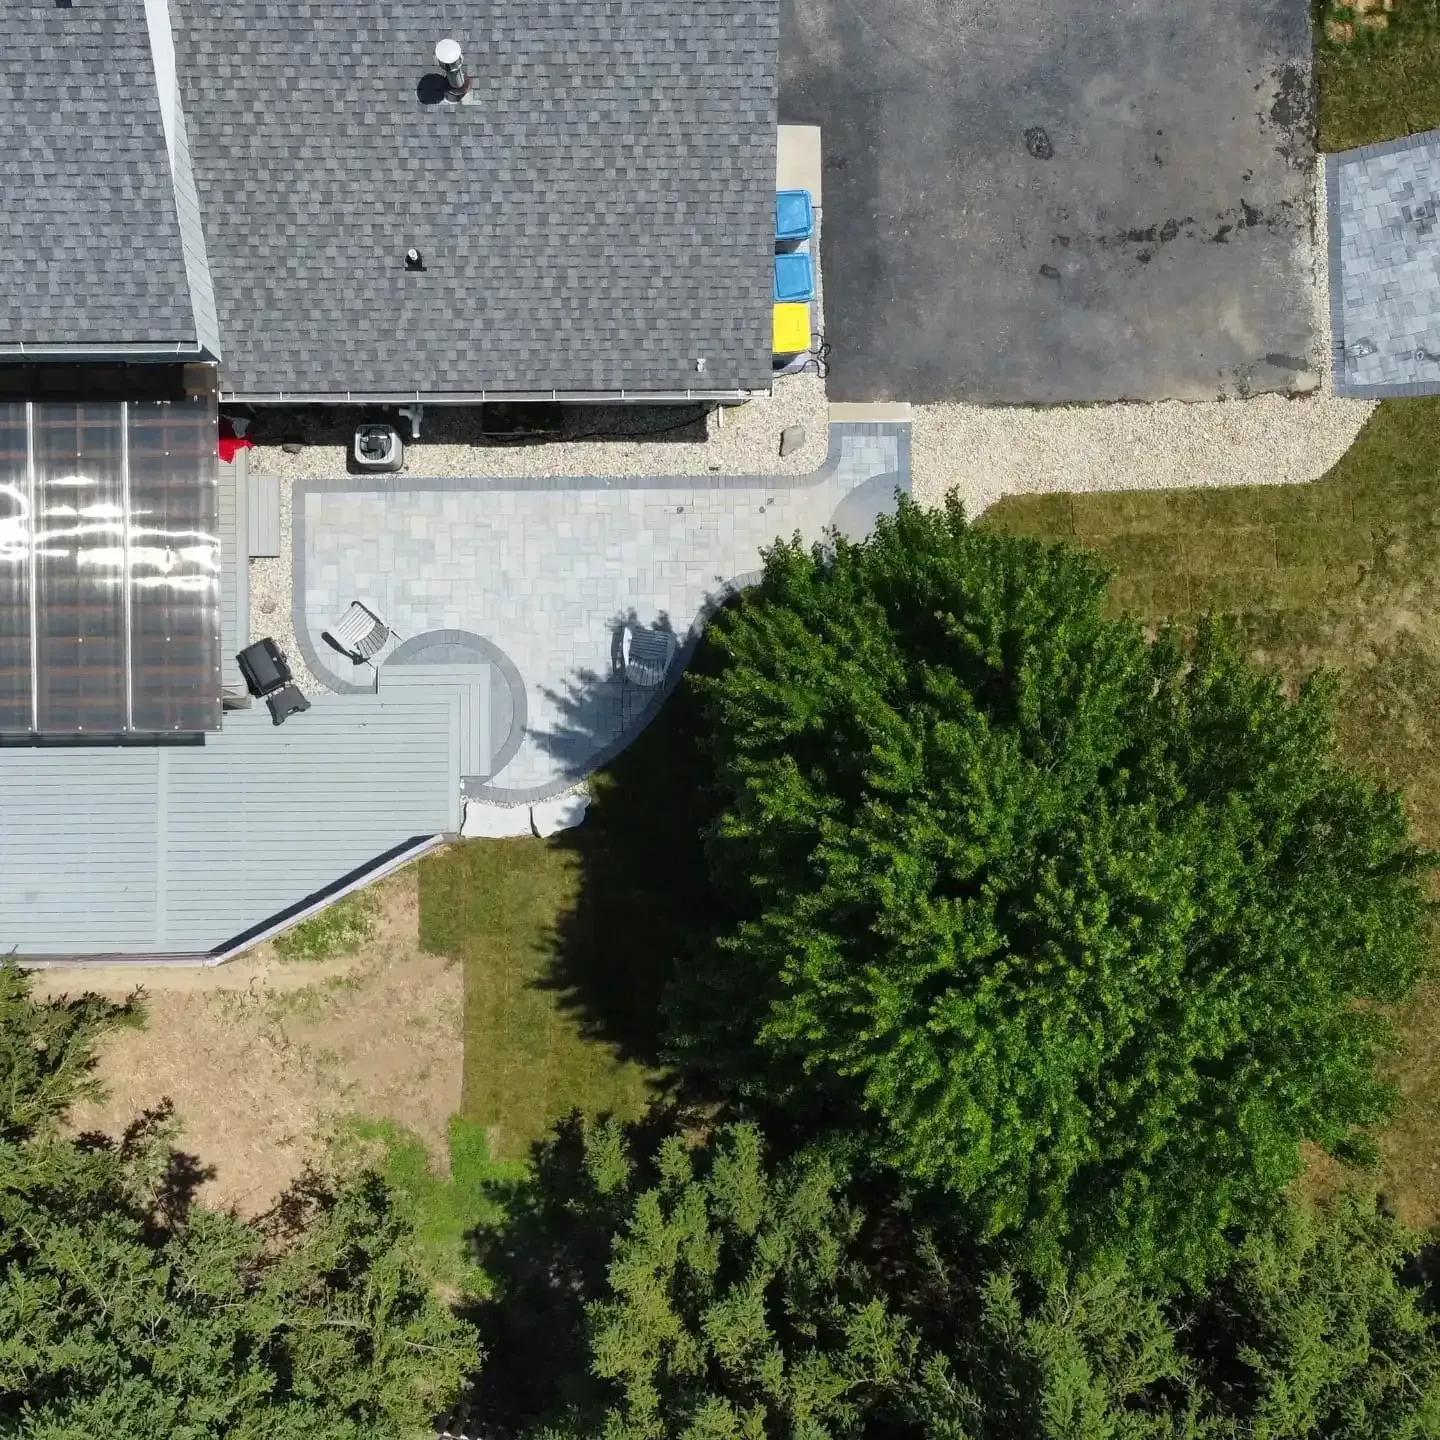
(479,397)
(168,350)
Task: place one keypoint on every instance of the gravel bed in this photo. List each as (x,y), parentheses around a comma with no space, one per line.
(270,612)
(985,453)
(1323,356)
(732,440)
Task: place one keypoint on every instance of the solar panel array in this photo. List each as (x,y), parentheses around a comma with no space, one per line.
(109,568)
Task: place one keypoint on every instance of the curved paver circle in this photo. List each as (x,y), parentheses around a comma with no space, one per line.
(464,647)
(855,516)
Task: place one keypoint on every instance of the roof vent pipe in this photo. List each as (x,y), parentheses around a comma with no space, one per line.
(451,59)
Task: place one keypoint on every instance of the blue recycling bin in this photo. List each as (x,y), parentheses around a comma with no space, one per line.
(794,278)
(794,216)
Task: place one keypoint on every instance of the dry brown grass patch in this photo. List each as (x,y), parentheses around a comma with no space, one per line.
(261,1057)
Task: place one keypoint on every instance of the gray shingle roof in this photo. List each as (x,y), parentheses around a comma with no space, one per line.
(89,243)
(599,217)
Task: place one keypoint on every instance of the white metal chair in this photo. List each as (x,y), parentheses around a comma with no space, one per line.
(646,655)
(359,633)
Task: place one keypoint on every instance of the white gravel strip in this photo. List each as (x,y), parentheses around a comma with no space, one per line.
(984,453)
(743,440)
(270,612)
(1322,357)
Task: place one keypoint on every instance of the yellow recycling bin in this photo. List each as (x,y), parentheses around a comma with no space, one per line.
(791,329)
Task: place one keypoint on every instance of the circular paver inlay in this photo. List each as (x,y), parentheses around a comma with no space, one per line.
(507,698)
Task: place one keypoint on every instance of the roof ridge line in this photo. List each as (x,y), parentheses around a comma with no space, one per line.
(182,178)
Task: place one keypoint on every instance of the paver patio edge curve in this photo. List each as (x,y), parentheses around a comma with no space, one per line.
(850,462)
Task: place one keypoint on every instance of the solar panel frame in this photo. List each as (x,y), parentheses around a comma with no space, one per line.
(16,554)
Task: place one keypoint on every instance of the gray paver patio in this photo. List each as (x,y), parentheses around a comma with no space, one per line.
(1385,266)
(548,570)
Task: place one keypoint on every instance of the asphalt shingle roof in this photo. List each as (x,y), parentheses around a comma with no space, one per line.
(599,217)
(90,246)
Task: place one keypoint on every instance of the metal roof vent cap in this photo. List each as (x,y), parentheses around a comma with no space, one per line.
(451,59)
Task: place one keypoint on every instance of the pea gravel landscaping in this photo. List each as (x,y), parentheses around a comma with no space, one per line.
(986,452)
(742,440)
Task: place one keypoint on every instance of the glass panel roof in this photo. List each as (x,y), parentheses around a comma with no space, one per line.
(15,663)
(174,566)
(79,592)
(109,568)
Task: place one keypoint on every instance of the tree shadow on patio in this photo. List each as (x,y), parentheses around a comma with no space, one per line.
(599,714)
(644,904)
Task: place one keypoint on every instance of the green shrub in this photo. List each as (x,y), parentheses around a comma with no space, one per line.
(1089,931)
(339,929)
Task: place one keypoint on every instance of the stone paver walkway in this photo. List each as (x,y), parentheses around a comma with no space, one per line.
(1385,266)
(549,571)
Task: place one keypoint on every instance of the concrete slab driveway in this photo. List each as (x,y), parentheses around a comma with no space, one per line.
(1051,200)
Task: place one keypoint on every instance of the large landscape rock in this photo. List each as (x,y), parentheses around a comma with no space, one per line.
(494,822)
(552,816)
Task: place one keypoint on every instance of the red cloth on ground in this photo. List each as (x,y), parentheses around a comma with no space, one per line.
(228,446)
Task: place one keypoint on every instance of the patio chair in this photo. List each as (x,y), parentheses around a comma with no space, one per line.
(359,634)
(285,702)
(646,655)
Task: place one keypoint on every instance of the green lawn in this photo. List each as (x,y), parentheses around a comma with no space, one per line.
(445,1209)
(497,905)
(567,944)
(1376,83)
(1342,573)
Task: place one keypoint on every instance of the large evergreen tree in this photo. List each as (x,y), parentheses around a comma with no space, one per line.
(126,1312)
(731,1305)
(1068,922)
(742,1300)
